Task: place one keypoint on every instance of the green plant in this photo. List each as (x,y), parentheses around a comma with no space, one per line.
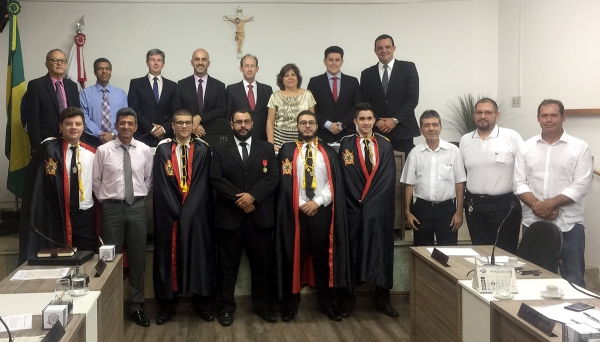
(460,115)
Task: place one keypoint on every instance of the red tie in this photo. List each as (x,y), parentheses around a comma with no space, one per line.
(251,97)
(334,89)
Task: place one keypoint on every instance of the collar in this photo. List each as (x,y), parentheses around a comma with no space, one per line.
(99,87)
(179,143)
(494,134)
(238,141)
(54,80)
(118,142)
(151,78)
(204,79)
(330,76)
(246,84)
(564,138)
(442,145)
(390,64)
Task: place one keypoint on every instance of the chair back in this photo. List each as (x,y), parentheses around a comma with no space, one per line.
(542,245)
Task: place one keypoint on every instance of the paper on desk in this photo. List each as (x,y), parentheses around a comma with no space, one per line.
(16,322)
(25,339)
(53,273)
(560,314)
(455,251)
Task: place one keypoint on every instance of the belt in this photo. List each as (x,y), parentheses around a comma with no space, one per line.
(122,201)
(489,198)
(434,203)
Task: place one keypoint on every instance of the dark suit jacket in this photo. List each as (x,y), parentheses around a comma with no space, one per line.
(141,99)
(230,176)
(236,99)
(213,112)
(42,108)
(400,101)
(329,110)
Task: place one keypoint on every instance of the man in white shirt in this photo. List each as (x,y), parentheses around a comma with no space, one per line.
(489,156)
(434,173)
(553,172)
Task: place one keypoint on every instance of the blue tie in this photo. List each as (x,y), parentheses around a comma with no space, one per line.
(155,88)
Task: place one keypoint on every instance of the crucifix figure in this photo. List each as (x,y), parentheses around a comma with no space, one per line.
(239,19)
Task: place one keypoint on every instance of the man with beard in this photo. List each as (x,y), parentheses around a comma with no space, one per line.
(369,176)
(311,236)
(489,156)
(57,198)
(245,175)
(184,254)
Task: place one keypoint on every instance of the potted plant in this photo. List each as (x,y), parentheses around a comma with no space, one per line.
(460,115)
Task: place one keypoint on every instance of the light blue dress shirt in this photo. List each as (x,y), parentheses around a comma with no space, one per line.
(91,105)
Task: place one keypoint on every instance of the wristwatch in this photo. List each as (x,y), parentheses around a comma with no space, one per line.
(395,121)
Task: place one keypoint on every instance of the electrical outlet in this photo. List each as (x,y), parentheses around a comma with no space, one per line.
(516,102)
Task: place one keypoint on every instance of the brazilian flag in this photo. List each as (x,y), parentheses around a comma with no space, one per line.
(17,147)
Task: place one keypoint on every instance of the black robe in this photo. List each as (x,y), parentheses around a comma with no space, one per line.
(183,223)
(371,209)
(293,273)
(45,204)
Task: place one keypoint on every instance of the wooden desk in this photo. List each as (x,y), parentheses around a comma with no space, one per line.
(506,326)
(74,331)
(436,295)
(110,302)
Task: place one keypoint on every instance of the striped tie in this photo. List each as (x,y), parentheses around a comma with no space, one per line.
(105,112)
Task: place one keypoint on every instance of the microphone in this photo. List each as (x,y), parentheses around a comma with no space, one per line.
(34,230)
(562,273)
(513,204)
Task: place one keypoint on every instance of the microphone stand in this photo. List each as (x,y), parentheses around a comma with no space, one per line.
(493,258)
(562,273)
(7,330)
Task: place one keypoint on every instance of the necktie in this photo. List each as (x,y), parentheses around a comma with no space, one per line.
(59,96)
(183,175)
(105,112)
(367,152)
(251,97)
(128,175)
(74,181)
(244,151)
(309,172)
(200,97)
(385,80)
(155,89)
(334,89)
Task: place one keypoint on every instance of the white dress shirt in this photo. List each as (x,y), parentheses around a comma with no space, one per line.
(434,174)
(239,147)
(254,88)
(548,170)
(159,81)
(490,162)
(178,152)
(323,194)
(86,158)
(371,148)
(390,67)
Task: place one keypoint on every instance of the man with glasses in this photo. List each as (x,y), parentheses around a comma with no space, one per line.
(100,103)
(250,95)
(245,174)
(311,237)
(184,253)
(47,97)
(489,156)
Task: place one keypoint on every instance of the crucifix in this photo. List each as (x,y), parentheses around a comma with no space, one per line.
(239,19)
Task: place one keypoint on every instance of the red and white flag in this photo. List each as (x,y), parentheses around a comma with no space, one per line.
(76,67)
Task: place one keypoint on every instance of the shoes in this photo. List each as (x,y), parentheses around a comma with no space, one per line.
(139,318)
(287,315)
(387,310)
(206,313)
(332,313)
(164,316)
(345,311)
(267,315)
(226,319)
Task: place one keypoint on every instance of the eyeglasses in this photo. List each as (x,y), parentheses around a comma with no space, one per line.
(240,122)
(57,61)
(486,113)
(307,123)
(181,123)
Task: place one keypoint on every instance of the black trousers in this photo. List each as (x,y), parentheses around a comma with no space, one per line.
(404,145)
(257,243)
(485,218)
(314,241)
(434,220)
(83,229)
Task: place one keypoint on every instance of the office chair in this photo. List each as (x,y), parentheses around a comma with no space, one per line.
(542,245)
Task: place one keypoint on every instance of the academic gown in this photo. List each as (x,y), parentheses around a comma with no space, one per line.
(370,207)
(46,198)
(293,273)
(184,254)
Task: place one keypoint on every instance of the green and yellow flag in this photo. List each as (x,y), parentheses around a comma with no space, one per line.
(17,147)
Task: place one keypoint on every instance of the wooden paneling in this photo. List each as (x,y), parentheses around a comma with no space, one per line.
(593,111)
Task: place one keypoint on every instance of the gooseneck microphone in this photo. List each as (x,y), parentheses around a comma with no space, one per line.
(562,273)
(513,204)
(36,231)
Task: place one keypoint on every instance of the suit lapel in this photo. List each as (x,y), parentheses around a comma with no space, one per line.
(193,90)
(148,88)
(52,92)
(395,75)
(253,154)
(233,150)
(242,94)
